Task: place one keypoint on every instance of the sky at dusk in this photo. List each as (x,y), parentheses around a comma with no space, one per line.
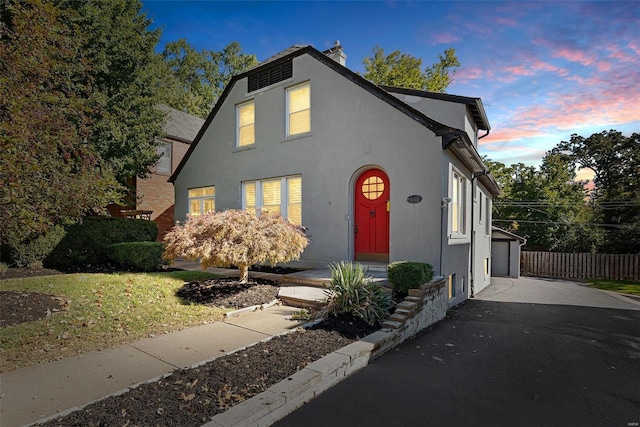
(544,70)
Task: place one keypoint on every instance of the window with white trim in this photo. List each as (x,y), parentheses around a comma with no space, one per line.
(246,119)
(202,200)
(457,207)
(299,109)
(487,216)
(277,195)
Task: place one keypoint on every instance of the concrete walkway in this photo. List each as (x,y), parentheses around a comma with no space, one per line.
(32,393)
(536,290)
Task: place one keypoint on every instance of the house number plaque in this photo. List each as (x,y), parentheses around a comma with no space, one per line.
(414,198)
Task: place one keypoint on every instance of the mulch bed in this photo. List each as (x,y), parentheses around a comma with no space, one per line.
(225,292)
(190,397)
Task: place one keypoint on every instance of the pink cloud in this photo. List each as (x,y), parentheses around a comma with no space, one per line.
(519,70)
(444,38)
(573,55)
(470,73)
(509,22)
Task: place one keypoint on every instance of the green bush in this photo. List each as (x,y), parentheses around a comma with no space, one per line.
(352,291)
(405,275)
(85,244)
(34,251)
(139,256)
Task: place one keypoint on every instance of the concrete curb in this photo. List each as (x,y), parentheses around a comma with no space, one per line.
(238,312)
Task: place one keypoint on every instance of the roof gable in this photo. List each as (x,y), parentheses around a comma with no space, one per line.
(474,104)
(465,146)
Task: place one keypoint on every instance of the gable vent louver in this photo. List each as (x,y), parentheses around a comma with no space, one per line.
(270,75)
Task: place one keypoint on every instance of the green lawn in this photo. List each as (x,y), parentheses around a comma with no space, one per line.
(103,310)
(632,288)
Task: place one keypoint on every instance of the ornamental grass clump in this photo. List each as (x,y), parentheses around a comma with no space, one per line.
(352,291)
(236,237)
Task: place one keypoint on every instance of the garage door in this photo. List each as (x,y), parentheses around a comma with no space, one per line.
(499,258)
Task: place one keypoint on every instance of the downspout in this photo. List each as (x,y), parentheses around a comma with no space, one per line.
(486,134)
(473,231)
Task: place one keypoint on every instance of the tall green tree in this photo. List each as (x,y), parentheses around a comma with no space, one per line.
(615,161)
(128,81)
(49,170)
(404,70)
(545,206)
(201,76)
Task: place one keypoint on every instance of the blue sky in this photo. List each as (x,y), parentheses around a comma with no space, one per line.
(543,69)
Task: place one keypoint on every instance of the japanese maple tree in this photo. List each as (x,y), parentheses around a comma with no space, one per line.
(236,237)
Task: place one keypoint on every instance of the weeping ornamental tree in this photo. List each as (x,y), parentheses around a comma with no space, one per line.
(236,237)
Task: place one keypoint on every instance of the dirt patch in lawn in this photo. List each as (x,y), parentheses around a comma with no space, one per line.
(21,307)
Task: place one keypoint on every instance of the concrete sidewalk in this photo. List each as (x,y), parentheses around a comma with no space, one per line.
(30,394)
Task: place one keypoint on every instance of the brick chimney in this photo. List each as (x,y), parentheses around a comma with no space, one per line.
(336,53)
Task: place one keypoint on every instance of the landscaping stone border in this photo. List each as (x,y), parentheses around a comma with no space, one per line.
(422,308)
(236,313)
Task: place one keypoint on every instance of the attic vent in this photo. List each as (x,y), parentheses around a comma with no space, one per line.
(270,75)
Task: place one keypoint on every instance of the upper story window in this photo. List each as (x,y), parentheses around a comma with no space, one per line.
(163,167)
(458,205)
(299,109)
(246,120)
(202,200)
(487,217)
(278,195)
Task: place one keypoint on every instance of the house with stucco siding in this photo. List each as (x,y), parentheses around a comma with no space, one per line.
(376,174)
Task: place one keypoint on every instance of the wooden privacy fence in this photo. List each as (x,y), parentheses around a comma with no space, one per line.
(580,266)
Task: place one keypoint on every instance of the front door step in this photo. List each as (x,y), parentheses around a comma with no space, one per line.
(302,296)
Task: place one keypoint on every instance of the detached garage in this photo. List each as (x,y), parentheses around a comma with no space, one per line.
(505,253)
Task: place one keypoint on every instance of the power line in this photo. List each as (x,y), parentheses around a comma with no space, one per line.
(527,221)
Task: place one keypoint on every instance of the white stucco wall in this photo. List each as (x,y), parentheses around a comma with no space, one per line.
(352,130)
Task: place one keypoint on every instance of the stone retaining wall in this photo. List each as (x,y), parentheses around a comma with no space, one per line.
(422,308)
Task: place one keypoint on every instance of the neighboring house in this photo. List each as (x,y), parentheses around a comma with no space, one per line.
(376,174)
(155,193)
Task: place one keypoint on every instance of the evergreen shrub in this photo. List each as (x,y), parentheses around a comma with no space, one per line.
(138,256)
(32,252)
(405,275)
(85,244)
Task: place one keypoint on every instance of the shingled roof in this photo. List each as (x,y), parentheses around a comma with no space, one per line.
(181,126)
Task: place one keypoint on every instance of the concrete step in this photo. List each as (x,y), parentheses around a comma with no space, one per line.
(302,296)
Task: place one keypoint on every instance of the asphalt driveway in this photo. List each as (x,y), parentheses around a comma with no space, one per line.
(526,352)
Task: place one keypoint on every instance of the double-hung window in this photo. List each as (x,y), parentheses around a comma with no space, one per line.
(246,120)
(299,109)
(457,207)
(202,200)
(278,195)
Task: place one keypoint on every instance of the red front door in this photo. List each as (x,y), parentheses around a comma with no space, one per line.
(372,216)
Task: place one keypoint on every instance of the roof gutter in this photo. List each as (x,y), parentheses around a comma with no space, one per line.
(486,134)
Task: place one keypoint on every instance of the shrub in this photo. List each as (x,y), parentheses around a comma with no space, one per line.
(236,237)
(85,244)
(3,268)
(352,291)
(139,256)
(405,275)
(32,252)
